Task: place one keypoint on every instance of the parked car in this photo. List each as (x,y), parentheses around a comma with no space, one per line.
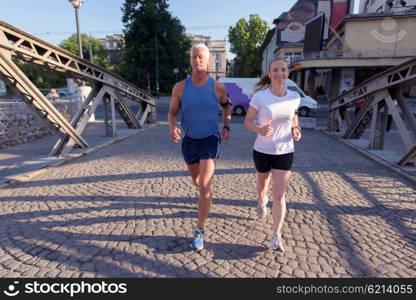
(62,95)
(241,90)
(3,89)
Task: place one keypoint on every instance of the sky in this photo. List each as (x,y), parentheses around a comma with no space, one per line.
(54,20)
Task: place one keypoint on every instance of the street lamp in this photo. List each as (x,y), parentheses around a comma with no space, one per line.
(176,71)
(77,4)
(84,90)
(157,61)
(157,67)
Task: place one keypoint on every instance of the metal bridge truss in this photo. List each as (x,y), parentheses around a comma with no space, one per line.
(108,88)
(381,96)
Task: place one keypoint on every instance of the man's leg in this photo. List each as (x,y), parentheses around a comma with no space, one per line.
(206,172)
(194,172)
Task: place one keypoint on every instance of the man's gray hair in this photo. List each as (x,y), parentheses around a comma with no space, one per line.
(200,45)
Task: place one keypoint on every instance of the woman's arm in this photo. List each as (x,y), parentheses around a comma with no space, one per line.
(296,131)
(249,124)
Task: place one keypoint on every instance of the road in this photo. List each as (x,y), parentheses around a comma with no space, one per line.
(129,209)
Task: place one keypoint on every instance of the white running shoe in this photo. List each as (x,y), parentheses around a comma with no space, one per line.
(262,208)
(276,243)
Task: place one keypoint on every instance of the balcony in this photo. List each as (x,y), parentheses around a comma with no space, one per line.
(353,55)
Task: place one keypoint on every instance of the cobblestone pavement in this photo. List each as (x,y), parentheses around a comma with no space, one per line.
(129,209)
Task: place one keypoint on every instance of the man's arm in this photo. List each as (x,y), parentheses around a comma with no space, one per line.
(222,96)
(174,131)
(226,114)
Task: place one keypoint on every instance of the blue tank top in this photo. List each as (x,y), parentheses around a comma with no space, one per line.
(199,109)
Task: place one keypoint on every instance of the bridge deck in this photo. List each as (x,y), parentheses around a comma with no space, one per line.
(128,210)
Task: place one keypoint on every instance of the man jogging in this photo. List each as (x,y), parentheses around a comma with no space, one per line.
(198,96)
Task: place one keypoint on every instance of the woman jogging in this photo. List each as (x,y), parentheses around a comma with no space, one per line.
(277,127)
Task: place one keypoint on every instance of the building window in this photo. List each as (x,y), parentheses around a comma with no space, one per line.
(290,56)
(366,5)
(218,62)
(387,8)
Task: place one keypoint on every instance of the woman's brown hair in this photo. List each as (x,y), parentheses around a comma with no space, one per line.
(265,81)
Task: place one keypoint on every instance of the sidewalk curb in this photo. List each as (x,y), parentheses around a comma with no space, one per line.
(27,176)
(406,175)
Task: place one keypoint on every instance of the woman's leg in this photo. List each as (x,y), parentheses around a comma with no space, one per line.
(280,180)
(263,180)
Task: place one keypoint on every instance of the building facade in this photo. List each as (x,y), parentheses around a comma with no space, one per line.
(268,47)
(113,43)
(364,45)
(358,46)
(383,6)
(290,27)
(217,65)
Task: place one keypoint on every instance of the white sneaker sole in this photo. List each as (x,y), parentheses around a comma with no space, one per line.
(195,248)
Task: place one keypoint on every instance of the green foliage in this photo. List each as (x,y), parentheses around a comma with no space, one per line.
(150,26)
(245,41)
(41,76)
(99,52)
(45,78)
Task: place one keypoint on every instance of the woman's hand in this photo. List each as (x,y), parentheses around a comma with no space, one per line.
(266,130)
(296,133)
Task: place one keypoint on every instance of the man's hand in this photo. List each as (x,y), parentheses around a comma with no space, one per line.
(175,134)
(225,134)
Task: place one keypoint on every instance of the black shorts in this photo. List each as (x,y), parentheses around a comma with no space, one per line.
(265,162)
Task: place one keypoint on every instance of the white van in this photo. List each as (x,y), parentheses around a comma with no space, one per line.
(240,91)
(308,105)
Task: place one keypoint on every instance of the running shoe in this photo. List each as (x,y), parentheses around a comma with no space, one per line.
(198,241)
(276,243)
(262,208)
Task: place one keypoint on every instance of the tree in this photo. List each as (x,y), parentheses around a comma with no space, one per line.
(45,78)
(150,26)
(41,76)
(99,52)
(245,41)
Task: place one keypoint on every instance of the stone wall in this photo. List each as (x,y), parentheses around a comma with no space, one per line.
(20,124)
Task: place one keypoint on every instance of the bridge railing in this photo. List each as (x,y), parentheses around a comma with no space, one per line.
(109,88)
(378,97)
